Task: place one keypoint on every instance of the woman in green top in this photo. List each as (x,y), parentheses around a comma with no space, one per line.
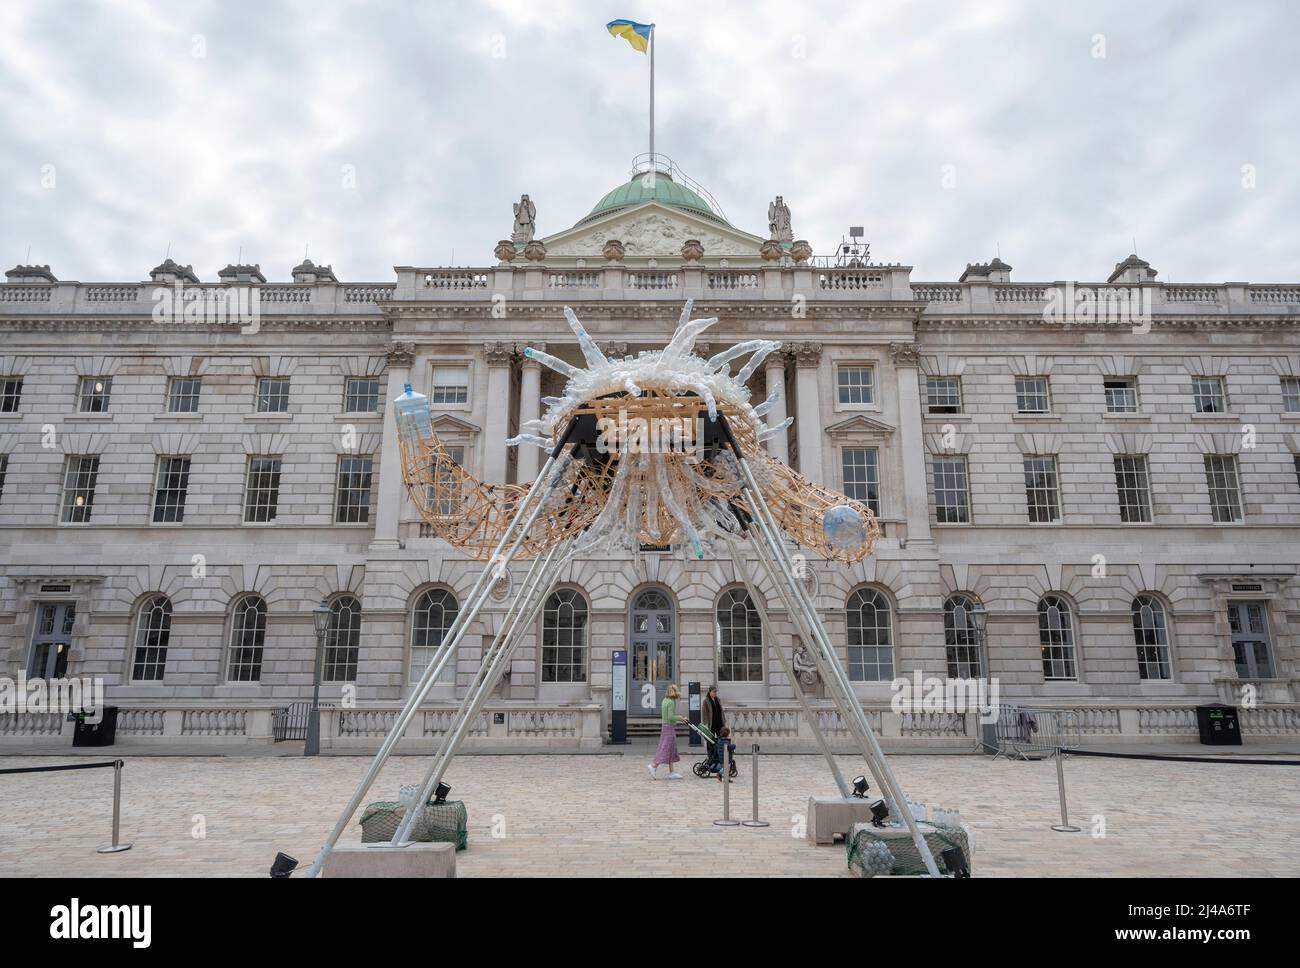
(667,751)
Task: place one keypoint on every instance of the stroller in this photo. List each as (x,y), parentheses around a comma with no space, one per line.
(711,765)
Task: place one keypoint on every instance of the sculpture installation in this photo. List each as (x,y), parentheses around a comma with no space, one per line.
(661,448)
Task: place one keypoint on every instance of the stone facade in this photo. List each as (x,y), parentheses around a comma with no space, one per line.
(465,328)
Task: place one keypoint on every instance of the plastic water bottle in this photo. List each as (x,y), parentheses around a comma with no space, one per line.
(412,410)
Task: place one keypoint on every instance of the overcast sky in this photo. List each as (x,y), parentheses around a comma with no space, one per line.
(399,133)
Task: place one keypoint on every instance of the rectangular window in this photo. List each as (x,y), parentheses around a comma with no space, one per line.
(1207,391)
(857,384)
(262,490)
(169,493)
(862,476)
(1297,470)
(4,471)
(94,393)
(79,474)
(1290,393)
(951,493)
(183,394)
(444,498)
(943,394)
(273,394)
(1133,486)
(11,394)
(450,385)
(1121,395)
(353,492)
(1031,394)
(362,395)
(1042,490)
(1224,486)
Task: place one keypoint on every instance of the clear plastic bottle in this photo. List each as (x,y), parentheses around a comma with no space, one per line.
(412,412)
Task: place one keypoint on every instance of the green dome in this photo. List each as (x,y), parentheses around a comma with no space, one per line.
(660,189)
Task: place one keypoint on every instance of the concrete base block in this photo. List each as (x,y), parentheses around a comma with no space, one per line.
(417,860)
(829,817)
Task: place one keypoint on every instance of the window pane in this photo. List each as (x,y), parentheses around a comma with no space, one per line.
(152,634)
(1208,395)
(273,395)
(943,394)
(740,638)
(435,614)
(564,637)
(870,638)
(342,640)
(11,394)
(862,476)
(1224,490)
(362,395)
(79,476)
(1056,638)
(354,477)
(94,394)
(961,639)
(170,489)
(1133,488)
(262,492)
(856,384)
(951,494)
(1121,396)
(1041,489)
(1151,637)
(247,639)
(183,395)
(450,385)
(1031,394)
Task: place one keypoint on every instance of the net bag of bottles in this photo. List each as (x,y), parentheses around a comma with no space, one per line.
(877,851)
(446,822)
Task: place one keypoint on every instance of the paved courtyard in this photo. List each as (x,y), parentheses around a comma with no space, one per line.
(602,815)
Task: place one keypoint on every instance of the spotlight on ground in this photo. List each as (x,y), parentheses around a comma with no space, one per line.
(440,794)
(860,787)
(954,861)
(878,813)
(284,865)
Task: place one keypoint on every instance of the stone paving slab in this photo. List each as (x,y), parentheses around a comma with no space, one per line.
(539,815)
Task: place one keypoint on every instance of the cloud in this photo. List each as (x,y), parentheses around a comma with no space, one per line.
(385,134)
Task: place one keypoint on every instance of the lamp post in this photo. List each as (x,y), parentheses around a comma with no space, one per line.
(320,618)
(979,620)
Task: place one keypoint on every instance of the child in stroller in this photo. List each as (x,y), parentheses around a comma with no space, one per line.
(712,764)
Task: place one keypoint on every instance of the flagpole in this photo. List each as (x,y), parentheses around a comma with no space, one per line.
(653,167)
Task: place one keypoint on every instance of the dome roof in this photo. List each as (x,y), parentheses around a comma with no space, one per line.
(661,188)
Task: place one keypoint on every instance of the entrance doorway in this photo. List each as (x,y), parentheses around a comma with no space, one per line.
(652,651)
(51,640)
(1252,650)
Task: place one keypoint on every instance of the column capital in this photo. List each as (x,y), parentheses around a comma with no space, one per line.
(806,354)
(401,353)
(499,354)
(614,348)
(524,362)
(776,360)
(905,354)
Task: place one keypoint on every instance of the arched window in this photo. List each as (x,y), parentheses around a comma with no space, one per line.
(564,637)
(740,638)
(247,636)
(1151,636)
(965,655)
(1056,637)
(435,613)
(871,641)
(153,630)
(343,640)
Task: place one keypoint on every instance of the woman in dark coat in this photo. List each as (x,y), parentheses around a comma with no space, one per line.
(711,715)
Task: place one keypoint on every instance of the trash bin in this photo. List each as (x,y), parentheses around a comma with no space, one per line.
(96,734)
(1218,725)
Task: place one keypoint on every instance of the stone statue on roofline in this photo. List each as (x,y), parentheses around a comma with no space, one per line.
(778,220)
(525,220)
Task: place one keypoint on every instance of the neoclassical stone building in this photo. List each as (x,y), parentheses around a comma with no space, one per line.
(179,489)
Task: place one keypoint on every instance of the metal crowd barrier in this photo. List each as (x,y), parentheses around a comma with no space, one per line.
(1030,733)
(115,847)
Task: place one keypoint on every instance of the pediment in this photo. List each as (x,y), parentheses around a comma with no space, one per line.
(445,423)
(860,424)
(652,230)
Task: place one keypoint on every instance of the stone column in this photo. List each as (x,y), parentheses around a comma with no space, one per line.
(774,370)
(530,408)
(807,359)
(907,363)
(496,409)
(392,494)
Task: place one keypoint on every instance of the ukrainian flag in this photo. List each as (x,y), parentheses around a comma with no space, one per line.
(638,35)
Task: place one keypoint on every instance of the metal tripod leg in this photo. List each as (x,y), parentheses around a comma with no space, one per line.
(538,583)
(525,514)
(850,709)
(809,713)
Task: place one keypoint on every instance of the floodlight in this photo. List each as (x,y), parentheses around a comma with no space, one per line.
(860,786)
(283,865)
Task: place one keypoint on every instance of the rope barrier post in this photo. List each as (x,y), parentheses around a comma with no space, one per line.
(725,776)
(1064,826)
(115,847)
(753,820)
